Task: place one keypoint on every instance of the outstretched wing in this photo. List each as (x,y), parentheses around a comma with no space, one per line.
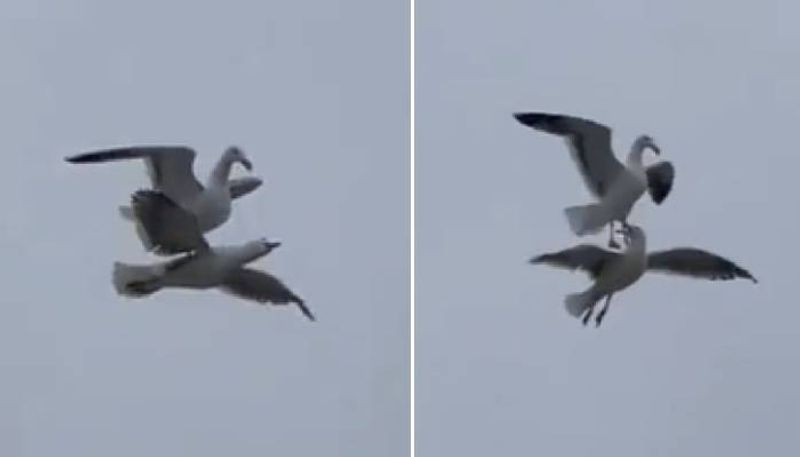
(165,228)
(586,257)
(262,287)
(659,180)
(589,143)
(169,167)
(696,263)
(239,187)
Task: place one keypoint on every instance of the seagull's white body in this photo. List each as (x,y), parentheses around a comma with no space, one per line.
(613,272)
(616,203)
(620,273)
(171,174)
(208,269)
(212,207)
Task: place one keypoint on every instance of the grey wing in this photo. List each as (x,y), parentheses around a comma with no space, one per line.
(165,227)
(262,287)
(589,143)
(659,180)
(696,263)
(586,257)
(169,167)
(242,186)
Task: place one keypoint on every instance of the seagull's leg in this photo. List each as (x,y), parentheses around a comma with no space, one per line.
(603,311)
(612,243)
(588,314)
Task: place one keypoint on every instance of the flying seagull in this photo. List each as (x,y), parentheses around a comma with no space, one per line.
(172,177)
(614,271)
(222,267)
(616,186)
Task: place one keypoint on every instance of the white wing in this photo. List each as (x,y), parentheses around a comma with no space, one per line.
(589,144)
(263,288)
(696,263)
(239,187)
(169,167)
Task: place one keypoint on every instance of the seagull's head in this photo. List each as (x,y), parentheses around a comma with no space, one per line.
(646,142)
(235,154)
(257,248)
(269,245)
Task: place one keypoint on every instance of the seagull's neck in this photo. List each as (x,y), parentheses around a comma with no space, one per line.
(221,172)
(634,160)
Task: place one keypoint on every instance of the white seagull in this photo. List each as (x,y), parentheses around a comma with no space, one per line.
(614,271)
(221,266)
(173,180)
(616,186)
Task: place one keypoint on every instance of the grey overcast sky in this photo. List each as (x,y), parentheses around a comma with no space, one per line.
(679,367)
(316,92)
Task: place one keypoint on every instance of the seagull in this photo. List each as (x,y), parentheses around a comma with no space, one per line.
(222,267)
(616,186)
(171,175)
(613,271)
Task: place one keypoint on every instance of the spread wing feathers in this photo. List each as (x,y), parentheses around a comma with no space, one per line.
(696,263)
(586,257)
(262,287)
(168,228)
(659,180)
(169,167)
(589,143)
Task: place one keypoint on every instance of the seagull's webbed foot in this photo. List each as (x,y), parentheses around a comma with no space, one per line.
(603,311)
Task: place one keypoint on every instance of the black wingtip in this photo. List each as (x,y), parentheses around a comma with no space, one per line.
(660,179)
(84,158)
(304,309)
(533,120)
(746,274)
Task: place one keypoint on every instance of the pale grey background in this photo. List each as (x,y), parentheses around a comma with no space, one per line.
(679,367)
(316,93)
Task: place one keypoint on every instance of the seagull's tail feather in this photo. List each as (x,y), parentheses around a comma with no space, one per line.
(587,219)
(136,280)
(577,304)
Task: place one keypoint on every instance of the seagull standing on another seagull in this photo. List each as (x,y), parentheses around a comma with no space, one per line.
(613,271)
(616,186)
